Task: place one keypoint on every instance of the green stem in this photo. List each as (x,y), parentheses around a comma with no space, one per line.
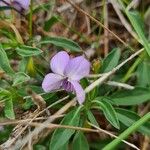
(30,18)
(127,132)
(133,67)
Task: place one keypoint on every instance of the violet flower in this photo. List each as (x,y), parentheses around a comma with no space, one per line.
(67,72)
(19,4)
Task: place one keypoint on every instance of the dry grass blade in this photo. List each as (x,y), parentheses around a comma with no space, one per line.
(114,136)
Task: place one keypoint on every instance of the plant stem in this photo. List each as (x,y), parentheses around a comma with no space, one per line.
(127,132)
(133,67)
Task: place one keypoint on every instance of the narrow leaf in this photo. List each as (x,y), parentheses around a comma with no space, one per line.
(4,94)
(128,118)
(108,111)
(9,111)
(92,118)
(20,78)
(62,42)
(4,62)
(49,23)
(135,21)
(26,51)
(80,142)
(63,135)
(131,97)
(111,60)
(143,72)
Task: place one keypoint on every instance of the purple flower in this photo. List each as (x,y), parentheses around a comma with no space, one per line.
(67,72)
(19,4)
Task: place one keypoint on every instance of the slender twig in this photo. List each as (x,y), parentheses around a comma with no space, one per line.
(123,19)
(122,85)
(95,75)
(133,4)
(25,121)
(56,126)
(133,67)
(112,83)
(96,130)
(112,135)
(127,132)
(67,6)
(107,75)
(145,110)
(51,118)
(145,144)
(106,24)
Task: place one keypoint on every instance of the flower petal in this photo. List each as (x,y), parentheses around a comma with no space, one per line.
(52,82)
(77,68)
(59,62)
(66,85)
(80,93)
(23,3)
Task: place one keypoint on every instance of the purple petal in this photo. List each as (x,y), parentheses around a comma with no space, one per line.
(52,82)
(80,93)
(19,4)
(22,3)
(66,85)
(77,68)
(59,62)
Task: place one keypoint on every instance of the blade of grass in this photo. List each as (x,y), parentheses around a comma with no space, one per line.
(135,21)
(127,132)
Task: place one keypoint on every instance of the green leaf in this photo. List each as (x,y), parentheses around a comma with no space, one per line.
(4,94)
(40,147)
(92,118)
(108,111)
(64,147)
(23,64)
(131,97)
(26,51)
(20,78)
(62,42)
(143,72)
(49,23)
(80,142)
(135,20)
(9,111)
(111,60)
(4,62)
(61,136)
(128,118)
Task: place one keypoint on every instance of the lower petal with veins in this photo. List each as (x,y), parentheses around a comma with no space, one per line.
(80,93)
(52,82)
